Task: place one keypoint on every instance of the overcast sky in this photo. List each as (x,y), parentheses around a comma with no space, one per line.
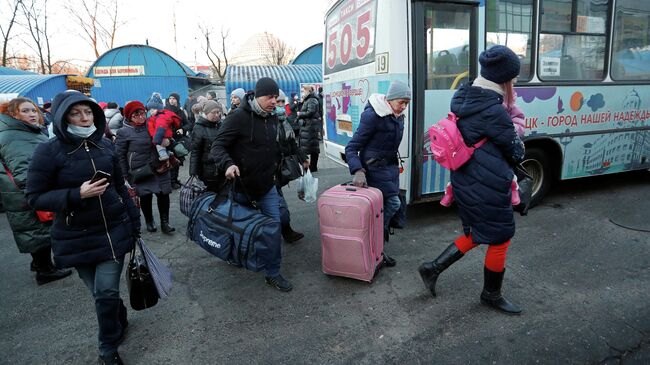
(299,23)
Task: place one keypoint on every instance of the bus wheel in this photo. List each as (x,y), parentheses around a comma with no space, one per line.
(537,164)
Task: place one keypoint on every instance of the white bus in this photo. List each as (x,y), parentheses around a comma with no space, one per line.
(584,83)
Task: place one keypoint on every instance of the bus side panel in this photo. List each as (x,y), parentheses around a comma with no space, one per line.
(600,128)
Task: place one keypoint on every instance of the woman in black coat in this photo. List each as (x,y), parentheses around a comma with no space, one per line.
(96,222)
(288,147)
(137,153)
(205,131)
(310,122)
(482,187)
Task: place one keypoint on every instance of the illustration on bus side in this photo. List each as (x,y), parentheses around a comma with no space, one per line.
(559,113)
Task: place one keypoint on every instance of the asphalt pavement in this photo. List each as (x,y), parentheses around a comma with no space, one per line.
(579,266)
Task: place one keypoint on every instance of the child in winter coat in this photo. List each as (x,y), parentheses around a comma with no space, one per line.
(519,121)
(161,125)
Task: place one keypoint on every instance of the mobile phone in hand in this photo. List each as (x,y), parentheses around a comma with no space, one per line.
(99,174)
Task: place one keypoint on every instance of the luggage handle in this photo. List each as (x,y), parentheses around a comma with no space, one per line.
(231,196)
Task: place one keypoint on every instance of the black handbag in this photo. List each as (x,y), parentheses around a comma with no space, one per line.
(525,182)
(141,173)
(142,289)
(290,169)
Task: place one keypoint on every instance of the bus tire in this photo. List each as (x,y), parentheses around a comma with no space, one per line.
(538,166)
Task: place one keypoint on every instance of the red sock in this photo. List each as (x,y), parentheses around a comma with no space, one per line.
(495,259)
(464,243)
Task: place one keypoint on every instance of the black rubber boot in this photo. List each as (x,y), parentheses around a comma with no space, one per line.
(491,295)
(151,226)
(165,227)
(429,271)
(46,271)
(290,235)
(388,261)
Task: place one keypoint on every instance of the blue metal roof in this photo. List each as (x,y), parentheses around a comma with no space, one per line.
(310,56)
(156,62)
(288,77)
(13,71)
(124,89)
(39,88)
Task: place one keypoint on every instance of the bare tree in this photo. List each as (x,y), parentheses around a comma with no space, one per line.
(65,67)
(277,52)
(36,24)
(6,29)
(90,16)
(218,59)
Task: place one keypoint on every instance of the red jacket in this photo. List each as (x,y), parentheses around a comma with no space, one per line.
(162,125)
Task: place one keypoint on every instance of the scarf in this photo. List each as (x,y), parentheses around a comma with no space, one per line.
(83,132)
(484,83)
(288,131)
(258,109)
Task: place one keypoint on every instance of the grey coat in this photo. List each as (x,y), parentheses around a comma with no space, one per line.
(114,119)
(134,149)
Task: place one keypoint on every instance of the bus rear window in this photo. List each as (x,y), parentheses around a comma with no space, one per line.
(350,35)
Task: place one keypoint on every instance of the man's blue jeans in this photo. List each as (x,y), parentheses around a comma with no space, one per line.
(269,204)
(285,216)
(103,280)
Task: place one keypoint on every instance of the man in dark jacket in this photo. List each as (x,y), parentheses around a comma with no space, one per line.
(246,147)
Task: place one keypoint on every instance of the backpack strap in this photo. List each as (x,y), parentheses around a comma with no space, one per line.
(479,143)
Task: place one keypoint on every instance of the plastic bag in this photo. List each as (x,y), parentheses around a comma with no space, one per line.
(308,187)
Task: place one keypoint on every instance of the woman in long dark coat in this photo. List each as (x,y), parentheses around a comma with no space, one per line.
(482,187)
(310,122)
(136,151)
(96,222)
(205,131)
(21,130)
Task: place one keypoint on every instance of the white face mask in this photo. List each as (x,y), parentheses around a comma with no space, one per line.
(83,132)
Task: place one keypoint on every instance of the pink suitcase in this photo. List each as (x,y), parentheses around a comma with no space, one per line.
(352,231)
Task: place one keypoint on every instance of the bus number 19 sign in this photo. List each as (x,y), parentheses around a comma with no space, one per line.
(350,35)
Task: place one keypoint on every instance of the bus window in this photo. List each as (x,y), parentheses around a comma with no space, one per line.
(447,36)
(572,40)
(631,49)
(510,23)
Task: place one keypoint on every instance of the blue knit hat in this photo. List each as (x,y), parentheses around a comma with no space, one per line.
(155,102)
(398,90)
(239,93)
(499,64)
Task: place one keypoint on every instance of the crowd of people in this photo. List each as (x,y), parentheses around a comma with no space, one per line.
(68,195)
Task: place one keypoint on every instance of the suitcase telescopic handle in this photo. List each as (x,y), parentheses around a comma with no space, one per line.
(349,185)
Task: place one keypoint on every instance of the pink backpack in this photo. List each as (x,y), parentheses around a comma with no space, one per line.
(447,144)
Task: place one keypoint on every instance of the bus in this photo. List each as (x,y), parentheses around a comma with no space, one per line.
(584,84)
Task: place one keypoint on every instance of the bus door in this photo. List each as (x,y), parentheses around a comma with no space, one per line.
(446,39)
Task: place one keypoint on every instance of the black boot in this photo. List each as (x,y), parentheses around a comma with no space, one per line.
(165,227)
(429,271)
(290,235)
(491,295)
(388,261)
(46,272)
(151,226)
